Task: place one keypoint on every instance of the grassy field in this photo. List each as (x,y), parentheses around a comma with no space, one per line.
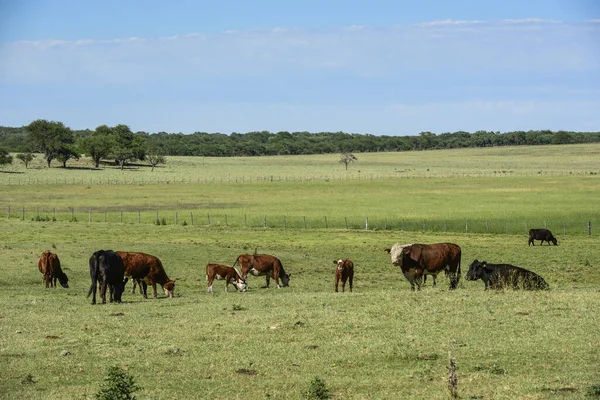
(380,342)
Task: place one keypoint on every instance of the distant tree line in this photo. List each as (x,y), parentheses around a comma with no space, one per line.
(120,145)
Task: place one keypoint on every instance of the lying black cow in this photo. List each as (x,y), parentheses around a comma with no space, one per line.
(541,234)
(499,276)
(106,269)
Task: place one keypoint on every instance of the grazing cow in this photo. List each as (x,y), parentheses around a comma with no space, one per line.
(222,271)
(146,269)
(263,264)
(541,234)
(416,260)
(106,269)
(396,253)
(499,276)
(49,266)
(344,271)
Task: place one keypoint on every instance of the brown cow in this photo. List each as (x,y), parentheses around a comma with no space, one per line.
(49,266)
(263,264)
(146,270)
(227,272)
(344,271)
(415,260)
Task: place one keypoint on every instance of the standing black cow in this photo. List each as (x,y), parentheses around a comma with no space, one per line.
(541,234)
(499,276)
(106,269)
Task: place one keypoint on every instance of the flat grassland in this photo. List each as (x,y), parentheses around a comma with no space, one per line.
(381,341)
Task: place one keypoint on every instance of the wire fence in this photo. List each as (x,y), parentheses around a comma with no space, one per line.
(197,218)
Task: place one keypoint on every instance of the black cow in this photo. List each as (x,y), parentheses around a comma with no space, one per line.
(541,234)
(106,269)
(499,276)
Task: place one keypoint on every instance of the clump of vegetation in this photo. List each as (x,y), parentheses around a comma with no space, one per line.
(318,390)
(593,392)
(46,218)
(118,384)
(28,380)
(161,222)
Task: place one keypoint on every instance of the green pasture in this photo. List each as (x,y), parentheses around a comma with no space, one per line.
(380,342)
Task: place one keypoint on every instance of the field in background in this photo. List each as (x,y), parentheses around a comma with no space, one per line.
(380,342)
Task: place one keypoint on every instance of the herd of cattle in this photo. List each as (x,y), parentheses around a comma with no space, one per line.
(112,270)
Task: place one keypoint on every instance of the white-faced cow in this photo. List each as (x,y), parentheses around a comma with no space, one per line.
(49,266)
(396,254)
(344,272)
(542,235)
(106,269)
(416,260)
(501,276)
(226,272)
(263,264)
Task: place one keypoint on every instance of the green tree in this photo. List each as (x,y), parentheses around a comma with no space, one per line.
(99,144)
(5,158)
(155,157)
(26,158)
(118,385)
(347,158)
(49,137)
(67,153)
(128,147)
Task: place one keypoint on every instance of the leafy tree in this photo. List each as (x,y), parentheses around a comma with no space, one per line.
(26,158)
(155,157)
(5,158)
(129,147)
(66,153)
(99,144)
(49,137)
(347,158)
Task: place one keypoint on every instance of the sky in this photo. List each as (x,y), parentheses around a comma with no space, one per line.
(371,67)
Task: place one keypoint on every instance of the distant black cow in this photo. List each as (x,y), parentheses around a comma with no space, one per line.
(106,269)
(499,276)
(541,234)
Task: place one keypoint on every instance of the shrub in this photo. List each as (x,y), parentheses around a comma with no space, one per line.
(118,384)
(318,390)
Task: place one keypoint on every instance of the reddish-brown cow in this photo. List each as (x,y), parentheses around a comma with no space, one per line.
(415,260)
(146,270)
(344,272)
(227,272)
(49,266)
(263,264)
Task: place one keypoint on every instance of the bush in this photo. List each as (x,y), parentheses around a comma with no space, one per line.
(318,390)
(118,384)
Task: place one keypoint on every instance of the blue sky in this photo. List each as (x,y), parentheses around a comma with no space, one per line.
(379,67)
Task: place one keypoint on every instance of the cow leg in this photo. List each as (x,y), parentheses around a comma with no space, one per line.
(343,285)
(154,290)
(268,280)
(103,292)
(434,280)
(337,281)
(210,283)
(133,285)
(144,288)
(350,279)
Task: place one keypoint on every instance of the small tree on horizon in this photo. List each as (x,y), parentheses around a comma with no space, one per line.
(49,137)
(5,157)
(26,158)
(347,158)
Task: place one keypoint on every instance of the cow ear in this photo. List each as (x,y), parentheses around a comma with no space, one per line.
(388,251)
(334,261)
(415,252)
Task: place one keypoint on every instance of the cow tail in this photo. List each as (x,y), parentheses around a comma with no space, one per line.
(237,260)
(95,275)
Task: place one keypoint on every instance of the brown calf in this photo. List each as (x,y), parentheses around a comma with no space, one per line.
(146,269)
(49,266)
(227,272)
(344,271)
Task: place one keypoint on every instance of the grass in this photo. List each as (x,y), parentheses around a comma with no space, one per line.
(380,342)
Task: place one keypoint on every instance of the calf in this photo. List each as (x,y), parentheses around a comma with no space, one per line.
(49,266)
(146,269)
(106,269)
(542,235)
(499,276)
(344,271)
(222,271)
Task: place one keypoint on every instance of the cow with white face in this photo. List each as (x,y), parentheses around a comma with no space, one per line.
(396,253)
(227,273)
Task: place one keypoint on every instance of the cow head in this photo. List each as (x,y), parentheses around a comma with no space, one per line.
(285,279)
(396,253)
(63,280)
(554,241)
(239,283)
(476,270)
(169,288)
(339,263)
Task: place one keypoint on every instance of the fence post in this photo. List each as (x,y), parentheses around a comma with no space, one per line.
(139,217)
(176,218)
(90,215)
(326,225)
(467,226)
(208,218)
(265,221)
(121,217)
(402,223)
(486,226)
(589,228)
(104,216)
(244,219)
(564,229)
(424,225)
(8,212)
(444,225)
(72,214)
(507,227)
(385,224)
(284,222)
(226,221)
(23,214)
(305,222)
(192,217)
(367,223)
(158,222)
(346,219)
